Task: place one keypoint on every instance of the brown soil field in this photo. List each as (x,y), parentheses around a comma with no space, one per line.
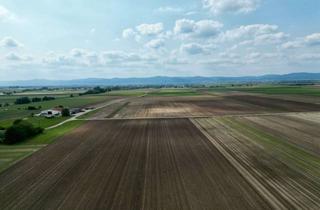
(109,111)
(129,164)
(155,107)
(273,157)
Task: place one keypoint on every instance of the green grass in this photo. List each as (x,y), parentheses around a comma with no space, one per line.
(50,135)
(19,111)
(36,121)
(274,90)
(139,92)
(174,92)
(10,154)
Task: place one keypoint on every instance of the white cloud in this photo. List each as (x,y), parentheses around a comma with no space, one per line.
(231,6)
(16,57)
(308,57)
(128,33)
(169,10)
(155,44)
(5,14)
(274,38)
(184,26)
(313,39)
(9,42)
(150,29)
(291,45)
(57,59)
(78,53)
(199,29)
(192,49)
(249,31)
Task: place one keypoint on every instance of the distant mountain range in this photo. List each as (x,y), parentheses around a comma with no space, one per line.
(162,80)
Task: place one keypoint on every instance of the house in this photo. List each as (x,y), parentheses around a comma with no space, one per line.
(74,111)
(50,113)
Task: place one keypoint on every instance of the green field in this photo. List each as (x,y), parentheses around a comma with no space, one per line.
(36,121)
(138,92)
(10,154)
(19,111)
(273,90)
(174,92)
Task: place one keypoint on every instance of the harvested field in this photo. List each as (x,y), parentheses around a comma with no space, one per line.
(271,153)
(131,164)
(159,107)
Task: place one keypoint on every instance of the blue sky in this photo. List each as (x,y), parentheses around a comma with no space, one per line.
(70,39)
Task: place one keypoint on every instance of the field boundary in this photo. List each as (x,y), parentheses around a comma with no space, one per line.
(264,192)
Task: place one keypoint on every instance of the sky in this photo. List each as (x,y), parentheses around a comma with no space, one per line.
(72,39)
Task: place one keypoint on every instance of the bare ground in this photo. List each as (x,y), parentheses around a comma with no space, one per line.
(145,164)
(211,106)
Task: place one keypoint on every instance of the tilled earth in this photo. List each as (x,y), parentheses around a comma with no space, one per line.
(204,106)
(129,164)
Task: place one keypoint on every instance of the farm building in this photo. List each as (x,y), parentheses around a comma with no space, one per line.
(55,112)
(75,111)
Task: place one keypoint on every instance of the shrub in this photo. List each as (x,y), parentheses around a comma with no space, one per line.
(95,90)
(1,135)
(36,99)
(20,131)
(31,108)
(48,98)
(65,112)
(22,100)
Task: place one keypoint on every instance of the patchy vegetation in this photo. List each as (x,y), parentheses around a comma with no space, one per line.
(20,131)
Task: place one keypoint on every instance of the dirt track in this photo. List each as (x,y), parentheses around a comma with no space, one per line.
(145,164)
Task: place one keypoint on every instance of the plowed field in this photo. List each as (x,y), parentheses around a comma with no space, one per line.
(132,164)
(158,107)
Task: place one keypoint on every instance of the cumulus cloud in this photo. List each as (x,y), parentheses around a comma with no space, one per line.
(274,38)
(291,45)
(16,57)
(169,10)
(150,29)
(307,57)
(199,29)
(231,6)
(5,14)
(128,33)
(192,49)
(9,42)
(155,44)
(249,31)
(78,53)
(313,39)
